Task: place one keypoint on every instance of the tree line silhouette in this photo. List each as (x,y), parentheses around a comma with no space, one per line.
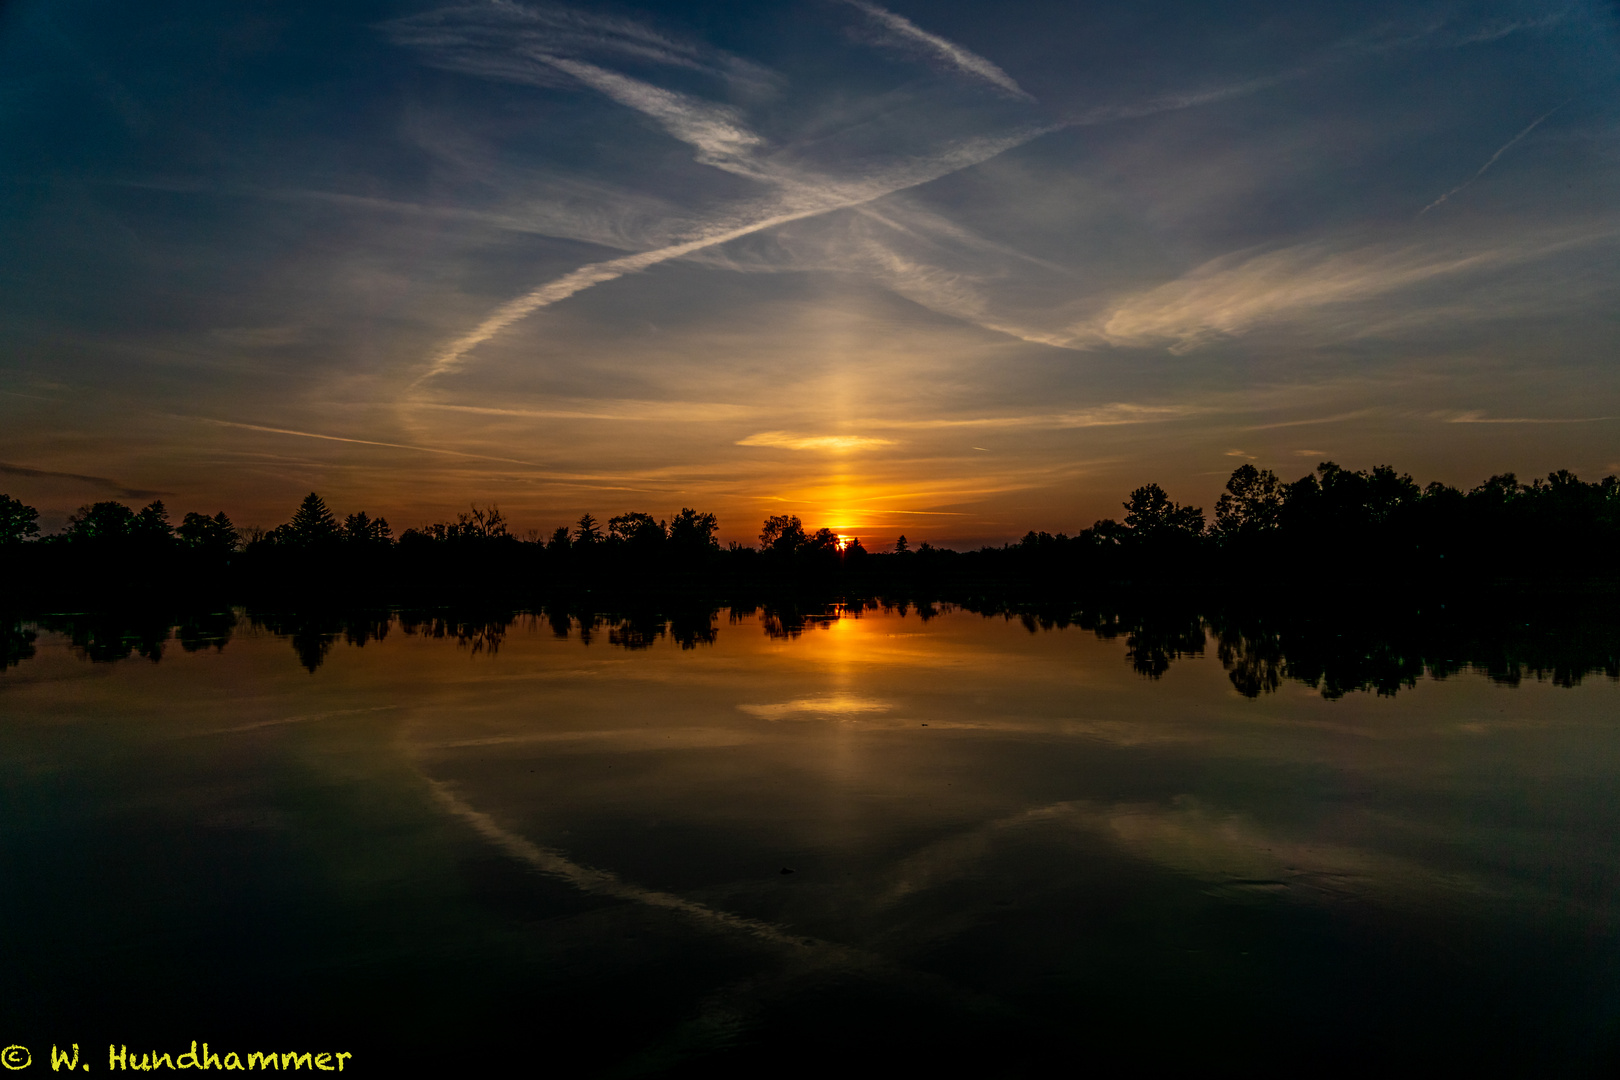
(1327,531)
(1335,652)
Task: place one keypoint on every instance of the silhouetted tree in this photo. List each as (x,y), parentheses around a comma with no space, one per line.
(312,525)
(559,540)
(1150,513)
(487,524)
(213,534)
(782,533)
(363,529)
(587,532)
(17,521)
(640,531)
(100,521)
(1252,504)
(690,531)
(900,545)
(1499,490)
(152,523)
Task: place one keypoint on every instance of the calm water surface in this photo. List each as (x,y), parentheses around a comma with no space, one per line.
(1007,849)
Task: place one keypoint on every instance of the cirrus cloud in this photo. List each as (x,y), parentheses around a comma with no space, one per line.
(787,441)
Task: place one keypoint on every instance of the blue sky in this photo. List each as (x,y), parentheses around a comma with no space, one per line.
(953,270)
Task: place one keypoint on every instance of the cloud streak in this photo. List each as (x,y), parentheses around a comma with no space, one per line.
(841,705)
(501,40)
(1510,144)
(1317,285)
(360,442)
(803,200)
(785,441)
(909,35)
(1111,415)
(481,42)
(715,131)
(588,879)
(1481,418)
(102,482)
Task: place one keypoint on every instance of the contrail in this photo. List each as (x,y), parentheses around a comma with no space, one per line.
(951,53)
(362,442)
(829,198)
(1510,144)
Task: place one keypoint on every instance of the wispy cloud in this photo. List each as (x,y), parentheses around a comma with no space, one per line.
(1497,29)
(361,442)
(516,42)
(589,879)
(1183,99)
(1336,418)
(636,412)
(1111,415)
(721,138)
(799,200)
(908,35)
(538,45)
(840,705)
(1236,292)
(1323,285)
(103,482)
(717,132)
(916,253)
(787,441)
(1481,418)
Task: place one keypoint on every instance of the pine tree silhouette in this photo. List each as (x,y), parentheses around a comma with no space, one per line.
(313,523)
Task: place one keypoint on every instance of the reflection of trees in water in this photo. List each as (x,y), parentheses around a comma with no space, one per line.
(477,632)
(692,627)
(924,609)
(637,631)
(206,630)
(1154,643)
(108,636)
(103,637)
(791,621)
(788,619)
(1255,664)
(359,629)
(16,642)
(688,625)
(1353,652)
(1153,640)
(312,634)
(1350,654)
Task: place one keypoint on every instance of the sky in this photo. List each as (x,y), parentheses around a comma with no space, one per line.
(944,269)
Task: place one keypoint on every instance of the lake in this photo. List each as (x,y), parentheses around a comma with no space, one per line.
(748,840)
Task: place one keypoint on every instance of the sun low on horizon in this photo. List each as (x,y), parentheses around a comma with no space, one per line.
(950,271)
